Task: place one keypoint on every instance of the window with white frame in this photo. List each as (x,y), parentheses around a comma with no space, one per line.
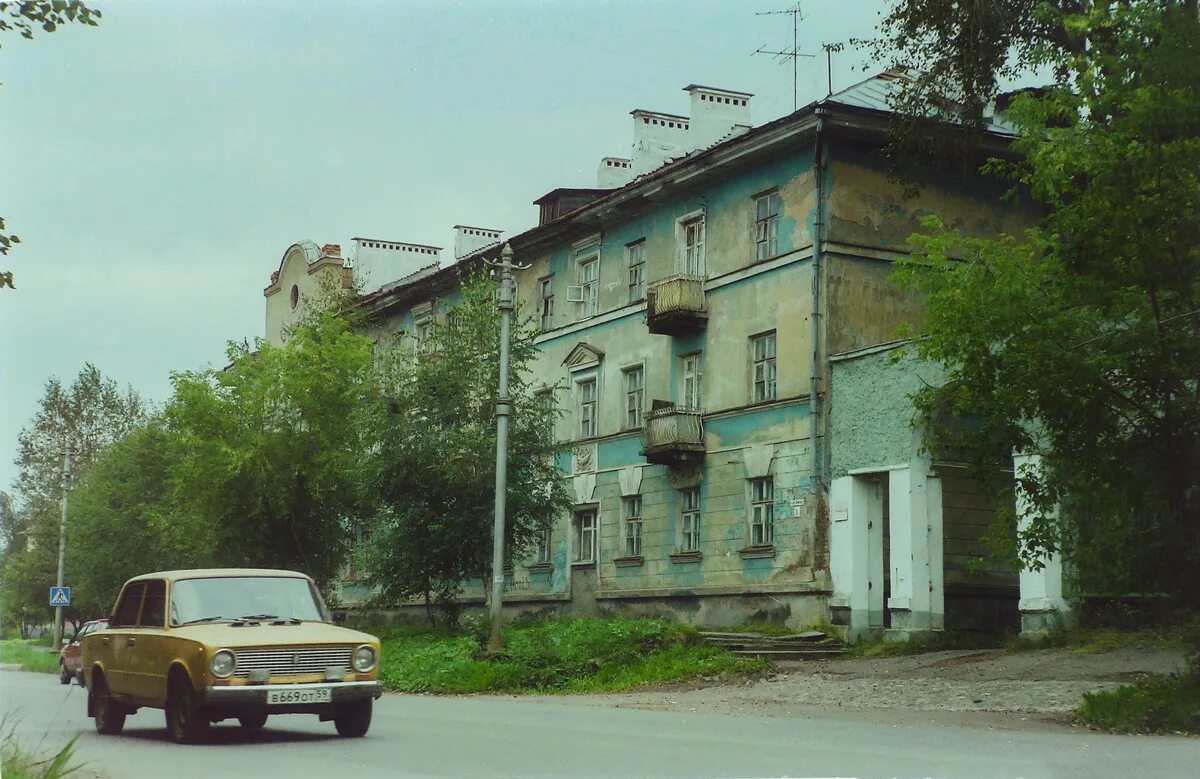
(585,389)
(692,250)
(762,350)
(544,400)
(543,546)
(762,511)
(546,302)
(589,284)
(691,371)
(635,390)
(585,535)
(636,255)
(689,519)
(766,228)
(631,512)
(422,330)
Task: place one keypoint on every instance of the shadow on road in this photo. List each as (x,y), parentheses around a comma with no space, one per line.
(232,735)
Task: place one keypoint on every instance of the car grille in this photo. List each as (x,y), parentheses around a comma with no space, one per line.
(283,662)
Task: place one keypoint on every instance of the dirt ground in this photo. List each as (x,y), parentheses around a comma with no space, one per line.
(999,687)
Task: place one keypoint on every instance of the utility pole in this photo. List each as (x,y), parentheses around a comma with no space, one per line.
(62,546)
(793,53)
(505,301)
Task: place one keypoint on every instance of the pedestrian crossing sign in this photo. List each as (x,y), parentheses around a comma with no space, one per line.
(60,596)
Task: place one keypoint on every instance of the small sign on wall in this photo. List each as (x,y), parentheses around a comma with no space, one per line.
(840,513)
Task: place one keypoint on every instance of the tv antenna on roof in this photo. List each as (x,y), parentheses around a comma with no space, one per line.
(793,53)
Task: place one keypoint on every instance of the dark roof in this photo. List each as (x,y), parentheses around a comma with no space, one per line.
(690,87)
(398,243)
(561,191)
(659,113)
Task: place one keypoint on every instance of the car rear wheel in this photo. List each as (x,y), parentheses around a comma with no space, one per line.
(354,720)
(108,714)
(64,676)
(253,721)
(187,721)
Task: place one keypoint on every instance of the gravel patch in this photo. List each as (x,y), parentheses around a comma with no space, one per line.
(1046,683)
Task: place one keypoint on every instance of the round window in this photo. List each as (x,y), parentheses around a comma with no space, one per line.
(295,296)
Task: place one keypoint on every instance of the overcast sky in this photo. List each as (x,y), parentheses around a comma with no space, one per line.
(156,167)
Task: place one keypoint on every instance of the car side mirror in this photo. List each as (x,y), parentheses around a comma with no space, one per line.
(339,617)
(66,641)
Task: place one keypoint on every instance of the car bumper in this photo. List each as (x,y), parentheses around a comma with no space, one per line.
(255,695)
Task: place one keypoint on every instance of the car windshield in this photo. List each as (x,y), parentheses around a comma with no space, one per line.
(261,597)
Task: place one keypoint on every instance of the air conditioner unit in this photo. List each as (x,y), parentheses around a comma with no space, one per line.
(574,294)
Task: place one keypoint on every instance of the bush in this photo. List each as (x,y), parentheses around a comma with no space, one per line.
(1163,704)
(573,655)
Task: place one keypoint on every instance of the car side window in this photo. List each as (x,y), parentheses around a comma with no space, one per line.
(154,605)
(126,613)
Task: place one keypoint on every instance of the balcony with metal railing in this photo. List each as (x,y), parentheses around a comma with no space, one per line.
(675,305)
(673,436)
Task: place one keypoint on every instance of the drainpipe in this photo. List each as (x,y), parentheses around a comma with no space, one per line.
(814,405)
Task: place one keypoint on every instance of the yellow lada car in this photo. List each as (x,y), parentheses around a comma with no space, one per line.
(217,644)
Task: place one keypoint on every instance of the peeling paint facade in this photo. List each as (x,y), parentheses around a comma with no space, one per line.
(682,315)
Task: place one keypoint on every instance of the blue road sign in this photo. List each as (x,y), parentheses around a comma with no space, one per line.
(60,596)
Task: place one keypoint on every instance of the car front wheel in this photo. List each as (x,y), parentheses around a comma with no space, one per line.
(253,721)
(354,720)
(187,721)
(64,676)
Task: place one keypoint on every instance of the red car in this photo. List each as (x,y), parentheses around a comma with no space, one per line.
(70,655)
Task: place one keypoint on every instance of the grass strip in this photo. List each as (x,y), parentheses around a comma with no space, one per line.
(30,655)
(1161,704)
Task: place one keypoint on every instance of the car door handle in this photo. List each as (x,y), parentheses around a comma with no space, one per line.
(104,642)
(130,641)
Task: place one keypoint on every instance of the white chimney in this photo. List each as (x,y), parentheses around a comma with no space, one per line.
(716,114)
(657,138)
(471,239)
(614,172)
(377,262)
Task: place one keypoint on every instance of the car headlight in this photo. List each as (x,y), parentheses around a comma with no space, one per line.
(222,663)
(364,659)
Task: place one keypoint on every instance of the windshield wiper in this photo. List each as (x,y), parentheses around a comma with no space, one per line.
(201,619)
(286,621)
(259,616)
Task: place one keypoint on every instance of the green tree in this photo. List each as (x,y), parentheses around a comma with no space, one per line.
(432,469)
(960,56)
(126,519)
(90,415)
(25,17)
(269,447)
(1081,340)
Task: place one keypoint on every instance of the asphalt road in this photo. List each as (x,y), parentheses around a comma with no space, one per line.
(418,736)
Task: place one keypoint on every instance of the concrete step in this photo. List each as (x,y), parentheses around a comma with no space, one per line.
(735,643)
(809,645)
(809,636)
(792,654)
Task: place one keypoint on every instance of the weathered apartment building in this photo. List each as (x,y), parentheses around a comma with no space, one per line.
(718,308)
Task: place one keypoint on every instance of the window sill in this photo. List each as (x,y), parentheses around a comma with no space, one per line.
(757,552)
(584,564)
(691,556)
(632,561)
(540,568)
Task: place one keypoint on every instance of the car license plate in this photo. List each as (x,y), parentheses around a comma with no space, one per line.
(288,697)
